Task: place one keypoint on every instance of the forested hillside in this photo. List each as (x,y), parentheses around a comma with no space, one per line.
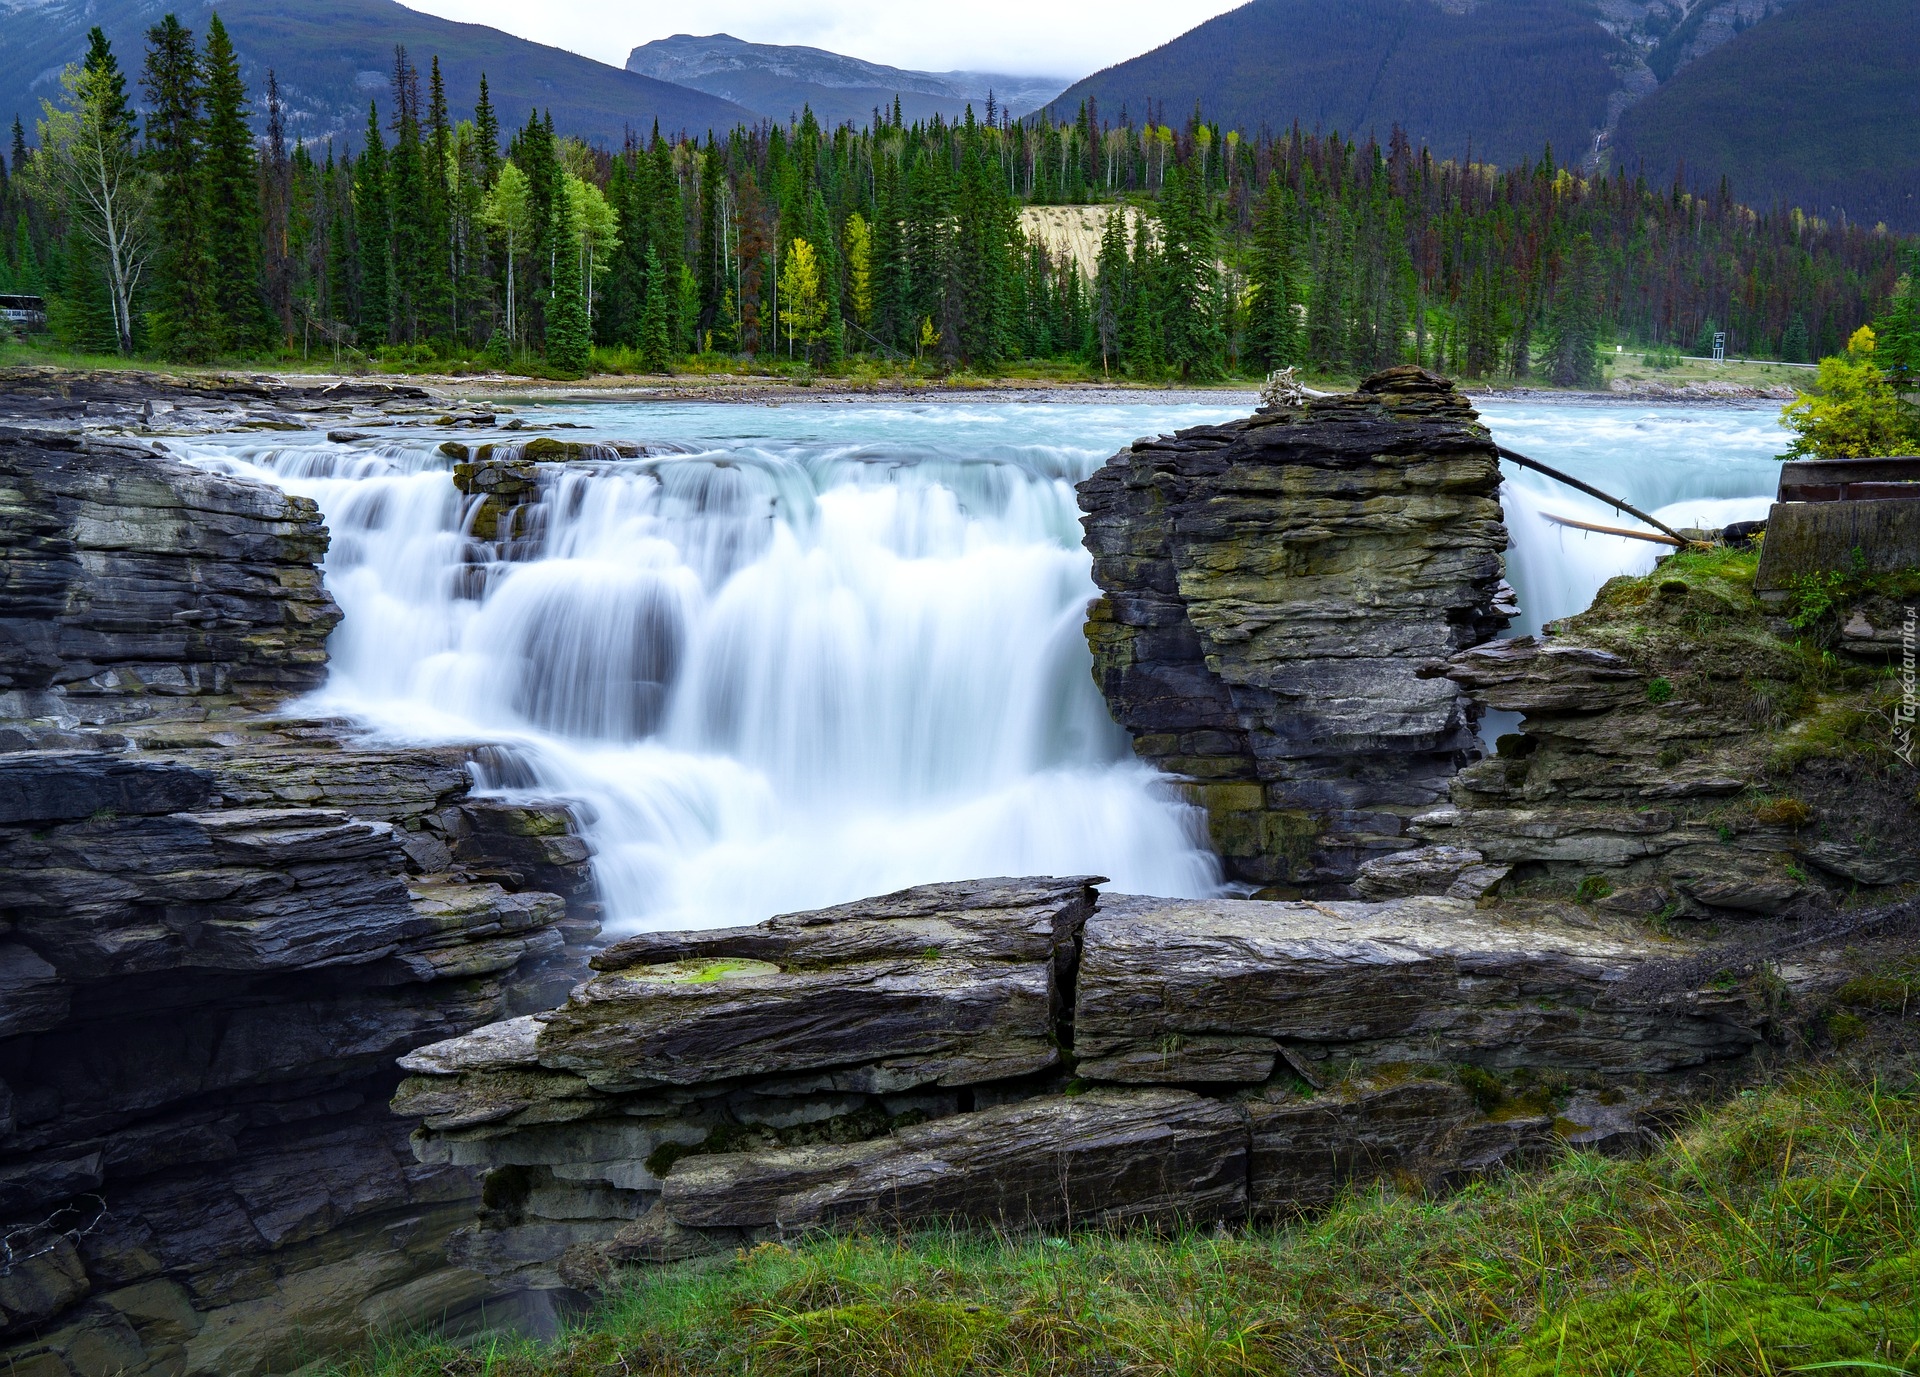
(1499,79)
(332,56)
(439,236)
(1819,107)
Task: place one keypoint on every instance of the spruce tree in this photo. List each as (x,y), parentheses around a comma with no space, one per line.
(1273,332)
(410,254)
(655,324)
(184,322)
(569,342)
(232,197)
(373,225)
(1897,333)
(667,236)
(709,271)
(1189,281)
(437,285)
(1142,346)
(1573,320)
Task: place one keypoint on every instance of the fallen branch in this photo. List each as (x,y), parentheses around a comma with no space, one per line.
(1613,530)
(1591,491)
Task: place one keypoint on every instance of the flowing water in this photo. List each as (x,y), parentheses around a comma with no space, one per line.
(824,650)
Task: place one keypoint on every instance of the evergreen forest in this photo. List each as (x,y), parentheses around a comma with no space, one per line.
(157,222)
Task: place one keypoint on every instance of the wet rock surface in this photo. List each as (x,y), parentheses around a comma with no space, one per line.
(137,586)
(1270,586)
(219,927)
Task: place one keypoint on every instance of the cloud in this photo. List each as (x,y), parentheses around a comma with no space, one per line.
(1066,38)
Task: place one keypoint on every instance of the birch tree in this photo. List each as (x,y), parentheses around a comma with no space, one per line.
(508,211)
(87,167)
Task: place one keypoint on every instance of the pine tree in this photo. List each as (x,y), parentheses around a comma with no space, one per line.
(1273,332)
(569,340)
(373,223)
(655,320)
(232,198)
(1573,321)
(184,319)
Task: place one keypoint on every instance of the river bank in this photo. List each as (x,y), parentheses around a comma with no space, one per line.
(1695,384)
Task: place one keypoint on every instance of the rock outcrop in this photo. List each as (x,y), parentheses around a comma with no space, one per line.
(219,928)
(1026,1053)
(1686,752)
(135,586)
(1270,587)
(122,400)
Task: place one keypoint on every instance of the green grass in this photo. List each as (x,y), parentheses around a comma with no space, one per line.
(1777,1233)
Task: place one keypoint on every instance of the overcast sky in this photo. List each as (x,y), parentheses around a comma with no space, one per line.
(1067,38)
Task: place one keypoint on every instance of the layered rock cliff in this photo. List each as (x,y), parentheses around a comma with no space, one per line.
(1028,1053)
(1269,589)
(219,927)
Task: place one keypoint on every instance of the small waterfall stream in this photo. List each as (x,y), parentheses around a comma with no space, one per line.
(828,650)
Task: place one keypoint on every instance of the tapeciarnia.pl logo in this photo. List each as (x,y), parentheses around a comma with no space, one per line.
(1903,719)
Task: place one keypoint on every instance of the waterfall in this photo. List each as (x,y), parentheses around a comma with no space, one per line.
(828,650)
(1688,466)
(771,672)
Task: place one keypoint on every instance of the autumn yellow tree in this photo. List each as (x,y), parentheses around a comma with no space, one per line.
(1853,412)
(860,267)
(802,309)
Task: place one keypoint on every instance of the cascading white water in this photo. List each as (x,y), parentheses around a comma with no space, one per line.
(1688,466)
(777,671)
(832,649)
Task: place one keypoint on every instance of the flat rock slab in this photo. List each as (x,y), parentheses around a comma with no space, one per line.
(944,984)
(1183,991)
(1101,1157)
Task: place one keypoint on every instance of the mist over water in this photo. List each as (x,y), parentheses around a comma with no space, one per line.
(834,649)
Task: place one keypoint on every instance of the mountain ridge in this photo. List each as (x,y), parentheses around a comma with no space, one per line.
(779,80)
(331,58)
(1764,110)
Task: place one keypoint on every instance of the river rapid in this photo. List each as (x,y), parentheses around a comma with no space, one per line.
(830,649)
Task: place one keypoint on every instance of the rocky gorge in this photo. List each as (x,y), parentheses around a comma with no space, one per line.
(302,1039)
(219,927)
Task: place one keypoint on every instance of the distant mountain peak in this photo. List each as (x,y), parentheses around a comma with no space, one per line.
(778,80)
